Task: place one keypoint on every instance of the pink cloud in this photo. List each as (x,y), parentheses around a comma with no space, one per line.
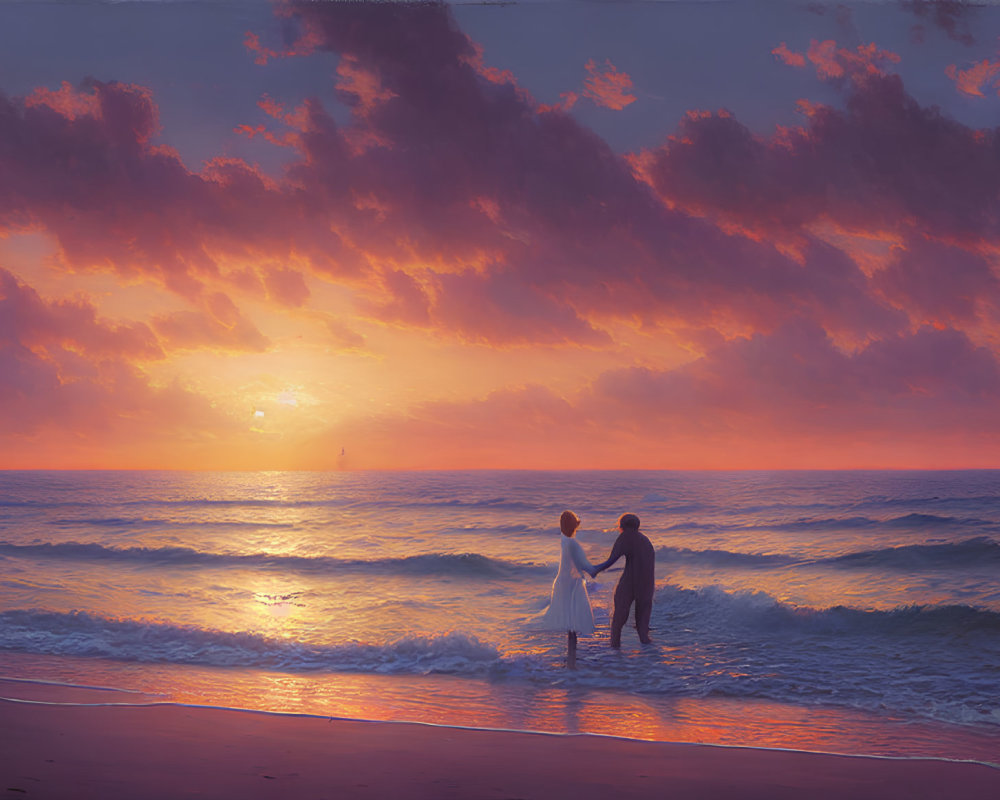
(835,63)
(883,163)
(66,100)
(360,87)
(286,286)
(453,187)
(564,224)
(452,202)
(220,324)
(404,300)
(63,367)
(492,74)
(304,45)
(916,399)
(972,80)
(501,309)
(606,86)
(566,102)
(939,283)
(455,203)
(93,178)
(789,57)
(796,381)
(29,320)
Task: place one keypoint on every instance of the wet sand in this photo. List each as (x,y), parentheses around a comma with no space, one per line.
(171,751)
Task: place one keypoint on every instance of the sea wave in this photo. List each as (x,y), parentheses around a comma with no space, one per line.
(206,502)
(353,501)
(724,558)
(913,521)
(978,551)
(713,612)
(744,521)
(928,661)
(990,501)
(81,634)
(689,619)
(159,522)
(452,564)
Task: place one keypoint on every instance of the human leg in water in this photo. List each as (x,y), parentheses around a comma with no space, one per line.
(623,603)
(643,611)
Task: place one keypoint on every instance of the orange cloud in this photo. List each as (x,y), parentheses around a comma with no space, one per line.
(62,368)
(492,74)
(219,325)
(304,45)
(65,100)
(606,86)
(567,101)
(789,57)
(972,80)
(924,397)
(342,336)
(834,63)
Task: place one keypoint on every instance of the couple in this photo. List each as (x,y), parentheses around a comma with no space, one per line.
(569,609)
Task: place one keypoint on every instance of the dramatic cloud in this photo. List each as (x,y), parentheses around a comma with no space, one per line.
(450,188)
(484,200)
(27,320)
(829,280)
(796,380)
(882,164)
(81,165)
(62,366)
(940,284)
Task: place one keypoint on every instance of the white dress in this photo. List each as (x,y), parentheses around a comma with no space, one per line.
(569,609)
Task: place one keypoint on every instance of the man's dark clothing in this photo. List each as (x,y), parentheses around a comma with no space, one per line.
(635,585)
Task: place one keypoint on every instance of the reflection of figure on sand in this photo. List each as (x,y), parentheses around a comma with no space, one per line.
(569,607)
(637,581)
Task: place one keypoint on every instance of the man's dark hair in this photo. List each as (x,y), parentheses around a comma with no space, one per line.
(628,521)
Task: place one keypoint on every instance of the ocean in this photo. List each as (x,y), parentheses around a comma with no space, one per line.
(854,612)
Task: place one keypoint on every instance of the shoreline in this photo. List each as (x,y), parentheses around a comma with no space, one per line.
(472,706)
(459,727)
(170,750)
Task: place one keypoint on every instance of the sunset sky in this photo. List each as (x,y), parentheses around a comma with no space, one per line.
(540,235)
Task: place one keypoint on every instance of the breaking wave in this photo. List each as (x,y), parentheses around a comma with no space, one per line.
(452,564)
(86,635)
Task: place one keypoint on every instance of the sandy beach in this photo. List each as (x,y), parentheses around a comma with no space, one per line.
(170,751)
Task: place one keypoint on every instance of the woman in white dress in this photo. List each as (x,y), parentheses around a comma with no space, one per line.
(569,608)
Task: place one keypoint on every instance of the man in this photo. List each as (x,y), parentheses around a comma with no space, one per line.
(637,581)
